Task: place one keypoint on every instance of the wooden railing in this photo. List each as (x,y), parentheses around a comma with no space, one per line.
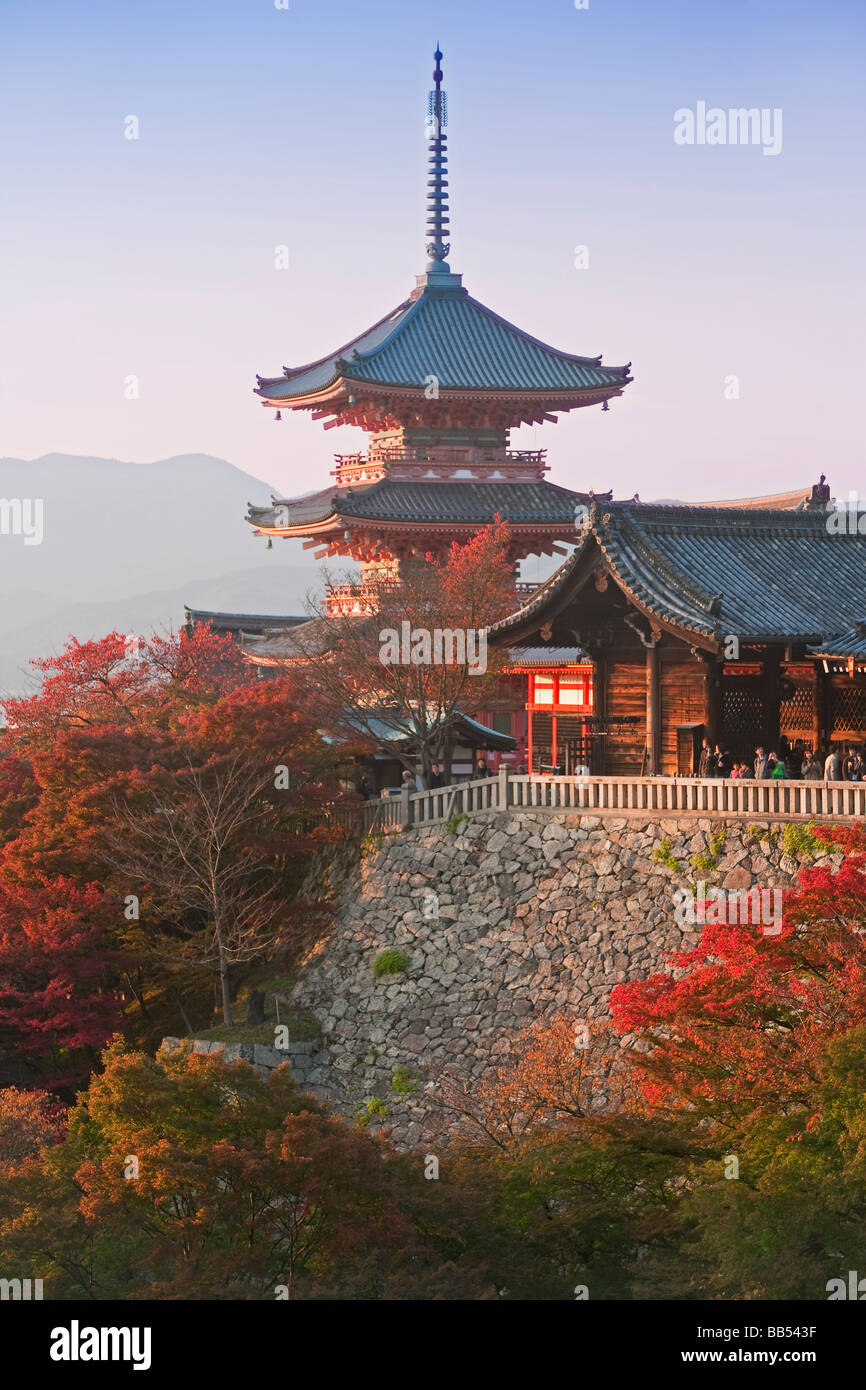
(440,453)
(665,796)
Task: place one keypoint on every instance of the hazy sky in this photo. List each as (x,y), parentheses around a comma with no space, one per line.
(260,126)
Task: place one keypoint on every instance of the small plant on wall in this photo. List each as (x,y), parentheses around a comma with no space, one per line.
(390,962)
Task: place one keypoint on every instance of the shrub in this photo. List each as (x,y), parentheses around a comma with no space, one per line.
(390,962)
(664,855)
(708,860)
(403,1083)
(799,839)
(718,842)
(370,1108)
(453,823)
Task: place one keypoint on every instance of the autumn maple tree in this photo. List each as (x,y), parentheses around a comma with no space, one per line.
(146,826)
(181,1176)
(373,681)
(29,1120)
(559,1071)
(743,1026)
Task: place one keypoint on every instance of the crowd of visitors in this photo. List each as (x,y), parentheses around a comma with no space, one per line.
(795,761)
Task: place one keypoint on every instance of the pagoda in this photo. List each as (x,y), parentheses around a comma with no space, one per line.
(438,384)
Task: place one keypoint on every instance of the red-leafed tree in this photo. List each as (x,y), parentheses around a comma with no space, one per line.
(744,1028)
(57,972)
(155,799)
(121,679)
(211,836)
(400,674)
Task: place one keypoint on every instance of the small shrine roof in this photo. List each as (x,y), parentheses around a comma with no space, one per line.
(387,725)
(529,657)
(302,641)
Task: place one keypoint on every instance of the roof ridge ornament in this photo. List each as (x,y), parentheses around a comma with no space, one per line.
(437,168)
(437,272)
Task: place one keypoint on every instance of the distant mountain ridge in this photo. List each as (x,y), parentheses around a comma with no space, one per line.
(126,545)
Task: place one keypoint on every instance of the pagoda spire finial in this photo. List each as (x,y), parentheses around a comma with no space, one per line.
(437,168)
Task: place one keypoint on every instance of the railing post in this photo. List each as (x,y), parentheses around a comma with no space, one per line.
(405,809)
(503,788)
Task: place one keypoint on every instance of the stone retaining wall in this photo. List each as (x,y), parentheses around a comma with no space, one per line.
(301,1056)
(538,914)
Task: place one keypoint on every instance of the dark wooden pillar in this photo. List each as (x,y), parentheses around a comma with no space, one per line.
(599,708)
(653,711)
(822,709)
(712,697)
(772,700)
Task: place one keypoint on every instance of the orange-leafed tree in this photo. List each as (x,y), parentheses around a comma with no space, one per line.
(181,1176)
(398,674)
(29,1120)
(561,1071)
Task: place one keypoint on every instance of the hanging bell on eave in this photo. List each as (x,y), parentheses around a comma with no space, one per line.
(279,415)
(270,544)
(606,405)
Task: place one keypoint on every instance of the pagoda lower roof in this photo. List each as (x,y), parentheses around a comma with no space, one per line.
(421,503)
(444,333)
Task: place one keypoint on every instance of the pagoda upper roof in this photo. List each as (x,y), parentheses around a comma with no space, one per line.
(445,503)
(441,335)
(443,332)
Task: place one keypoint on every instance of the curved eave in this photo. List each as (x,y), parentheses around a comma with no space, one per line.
(303,528)
(523,619)
(470,338)
(338,523)
(675,619)
(546,603)
(340,388)
(293,373)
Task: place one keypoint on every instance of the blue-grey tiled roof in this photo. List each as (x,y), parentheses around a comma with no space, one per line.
(464,503)
(759,575)
(454,338)
(547,656)
(845,644)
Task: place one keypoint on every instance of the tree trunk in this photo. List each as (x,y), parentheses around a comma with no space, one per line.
(183,1014)
(426,765)
(226,993)
(446,760)
(136,994)
(224,975)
